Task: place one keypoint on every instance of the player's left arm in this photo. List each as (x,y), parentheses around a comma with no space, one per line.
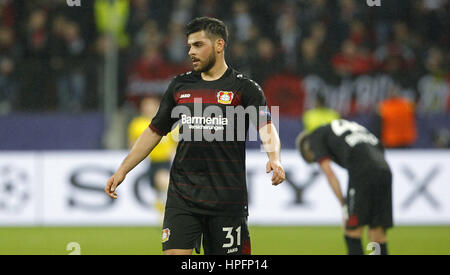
(254,96)
(325,165)
(272,145)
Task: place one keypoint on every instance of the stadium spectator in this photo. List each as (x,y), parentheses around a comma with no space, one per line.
(182,12)
(430,19)
(35,96)
(208,8)
(112,18)
(242,21)
(37,36)
(9,84)
(161,157)
(319,33)
(403,36)
(318,116)
(175,44)
(310,60)
(142,11)
(345,13)
(266,62)
(7,11)
(239,57)
(149,33)
(150,68)
(398,121)
(289,34)
(434,87)
(385,17)
(395,57)
(351,61)
(441,138)
(359,35)
(314,11)
(68,53)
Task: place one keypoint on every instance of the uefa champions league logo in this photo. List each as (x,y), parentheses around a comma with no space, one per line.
(73,3)
(14,189)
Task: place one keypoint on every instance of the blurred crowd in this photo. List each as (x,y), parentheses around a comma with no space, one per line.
(52,56)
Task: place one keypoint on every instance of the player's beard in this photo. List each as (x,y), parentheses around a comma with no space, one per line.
(209,63)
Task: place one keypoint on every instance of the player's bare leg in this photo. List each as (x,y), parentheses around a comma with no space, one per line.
(355,233)
(353,241)
(178,252)
(378,235)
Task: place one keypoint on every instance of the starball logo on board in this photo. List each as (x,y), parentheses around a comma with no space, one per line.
(73,3)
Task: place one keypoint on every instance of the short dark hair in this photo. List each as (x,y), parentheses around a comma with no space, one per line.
(212,26)
(300,141)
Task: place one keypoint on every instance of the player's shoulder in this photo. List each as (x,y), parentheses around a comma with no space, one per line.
(240,77)
(246,81)
(179,81)
(188,76)
(322,130)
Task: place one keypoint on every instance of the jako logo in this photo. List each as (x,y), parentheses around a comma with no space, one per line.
(72,3)
(373,3)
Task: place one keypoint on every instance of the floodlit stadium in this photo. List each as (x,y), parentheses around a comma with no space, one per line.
(82,81)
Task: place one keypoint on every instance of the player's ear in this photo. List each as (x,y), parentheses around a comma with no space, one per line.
(220,45)
(310,156)
(299,142)
(308,153)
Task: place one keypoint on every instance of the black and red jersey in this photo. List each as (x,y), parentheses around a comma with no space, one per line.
(348,144)
(208,172)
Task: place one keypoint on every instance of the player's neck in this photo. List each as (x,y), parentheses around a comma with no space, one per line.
(216,72)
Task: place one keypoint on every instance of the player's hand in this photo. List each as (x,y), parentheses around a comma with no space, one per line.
(278,172)
(112,184)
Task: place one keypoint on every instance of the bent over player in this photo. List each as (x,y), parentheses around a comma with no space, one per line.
(369,194)
(207,195)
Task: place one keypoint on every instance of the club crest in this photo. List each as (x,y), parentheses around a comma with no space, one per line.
(224,97)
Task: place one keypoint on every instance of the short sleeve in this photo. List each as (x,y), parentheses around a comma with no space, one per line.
(163,122)
(318,144)
(253,95)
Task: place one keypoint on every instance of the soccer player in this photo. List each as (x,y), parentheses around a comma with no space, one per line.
(207,196)
(369,194)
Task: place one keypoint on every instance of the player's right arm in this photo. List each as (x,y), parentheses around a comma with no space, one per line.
(160,126)
(332,180)
(140,150)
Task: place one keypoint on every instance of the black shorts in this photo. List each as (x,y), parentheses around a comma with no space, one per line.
(369,199)
(221,235)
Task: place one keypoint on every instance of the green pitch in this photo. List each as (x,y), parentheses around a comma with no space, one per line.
(265,240)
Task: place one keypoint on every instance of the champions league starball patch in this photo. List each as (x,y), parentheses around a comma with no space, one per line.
(224,97)
(264,112)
